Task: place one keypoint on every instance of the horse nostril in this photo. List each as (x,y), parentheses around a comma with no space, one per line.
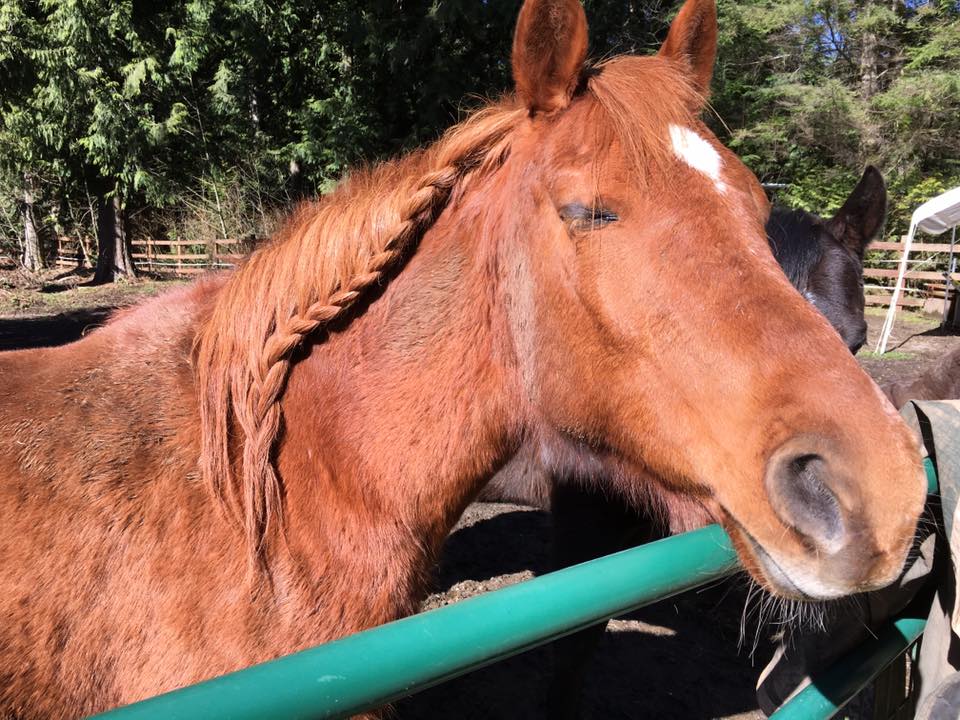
(799,489)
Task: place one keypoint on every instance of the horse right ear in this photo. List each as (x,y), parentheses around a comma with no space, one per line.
(549,48)
(862,215)
(692,42)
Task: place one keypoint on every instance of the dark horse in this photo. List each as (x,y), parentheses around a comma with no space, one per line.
(823,259)
(272,458)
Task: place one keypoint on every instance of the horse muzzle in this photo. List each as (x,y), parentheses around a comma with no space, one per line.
(837,543)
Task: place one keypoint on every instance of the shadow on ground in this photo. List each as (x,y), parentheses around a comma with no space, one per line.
(677,659)
(33,332)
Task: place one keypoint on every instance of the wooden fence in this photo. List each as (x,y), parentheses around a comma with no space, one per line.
(173,257)
(925,279)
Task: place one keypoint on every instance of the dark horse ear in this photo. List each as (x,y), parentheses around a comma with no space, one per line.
(549,48)
(692,41)
(862,214)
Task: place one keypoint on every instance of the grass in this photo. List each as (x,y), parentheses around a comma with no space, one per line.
(889,355)
(906,316)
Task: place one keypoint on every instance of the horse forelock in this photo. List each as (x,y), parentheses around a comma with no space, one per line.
(794,240)
(640,98)
(332,251)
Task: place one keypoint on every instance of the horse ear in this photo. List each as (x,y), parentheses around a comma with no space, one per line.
(692,41)
(549,48)
(862,214)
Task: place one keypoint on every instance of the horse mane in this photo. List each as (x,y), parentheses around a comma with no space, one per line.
(793,237)
(331,252)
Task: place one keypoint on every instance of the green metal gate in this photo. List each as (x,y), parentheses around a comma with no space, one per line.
(372,668)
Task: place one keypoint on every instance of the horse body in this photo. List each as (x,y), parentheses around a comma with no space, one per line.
(114,551)
(97,481)
(140,561)
(273,459)
(937,380)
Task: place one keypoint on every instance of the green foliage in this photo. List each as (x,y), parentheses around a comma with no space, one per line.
(209,116)
(814,91)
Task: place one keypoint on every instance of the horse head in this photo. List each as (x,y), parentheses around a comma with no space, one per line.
(824,258)
(639,313)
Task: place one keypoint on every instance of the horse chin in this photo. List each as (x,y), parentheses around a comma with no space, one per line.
(798,587)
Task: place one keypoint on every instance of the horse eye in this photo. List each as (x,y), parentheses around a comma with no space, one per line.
(581,217)
(602,216)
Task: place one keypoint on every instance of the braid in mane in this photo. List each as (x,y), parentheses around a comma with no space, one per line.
(317,268)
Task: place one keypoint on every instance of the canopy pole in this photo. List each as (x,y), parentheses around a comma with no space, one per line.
(892,311)
(948,286)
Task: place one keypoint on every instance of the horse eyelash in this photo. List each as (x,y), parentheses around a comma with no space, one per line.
(581,217)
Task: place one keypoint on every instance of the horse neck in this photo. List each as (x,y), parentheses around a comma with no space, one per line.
(392,426)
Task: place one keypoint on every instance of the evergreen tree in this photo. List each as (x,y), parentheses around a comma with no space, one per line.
(198,119)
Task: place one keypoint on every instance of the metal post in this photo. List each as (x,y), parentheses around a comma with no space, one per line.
(948,286)
(894,298)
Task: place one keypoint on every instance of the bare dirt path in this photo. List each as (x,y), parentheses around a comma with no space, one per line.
(916,341)
(55,306)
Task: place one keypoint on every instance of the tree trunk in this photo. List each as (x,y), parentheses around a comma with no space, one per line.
(295,180)
(114,257)
(869,66)
(870,61)
(32,255)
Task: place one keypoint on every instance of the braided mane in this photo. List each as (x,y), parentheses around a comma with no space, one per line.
(319,264)
(332,251)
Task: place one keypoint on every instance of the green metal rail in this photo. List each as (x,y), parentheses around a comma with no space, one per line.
(827,694)
(375,667)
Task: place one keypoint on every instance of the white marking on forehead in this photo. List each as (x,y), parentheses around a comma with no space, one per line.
(697,153)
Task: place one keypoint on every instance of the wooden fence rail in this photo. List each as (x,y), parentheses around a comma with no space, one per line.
(187,257)
(924,288)
(175,257)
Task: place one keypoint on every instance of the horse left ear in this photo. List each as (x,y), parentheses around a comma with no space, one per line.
(862,215)
(692,41)
(549,48)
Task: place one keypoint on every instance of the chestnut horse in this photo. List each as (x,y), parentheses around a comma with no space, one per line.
(271,459)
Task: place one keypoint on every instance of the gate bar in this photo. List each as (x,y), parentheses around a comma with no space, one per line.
(372,668)
(375,667)
(829,692)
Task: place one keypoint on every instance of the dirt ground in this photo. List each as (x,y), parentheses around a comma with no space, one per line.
(916,341)
(685,658)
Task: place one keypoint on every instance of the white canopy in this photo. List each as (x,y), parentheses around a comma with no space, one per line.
(935,216)
(939,214)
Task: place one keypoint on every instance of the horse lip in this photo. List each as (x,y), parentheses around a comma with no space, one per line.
(773,571)
(778,578)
